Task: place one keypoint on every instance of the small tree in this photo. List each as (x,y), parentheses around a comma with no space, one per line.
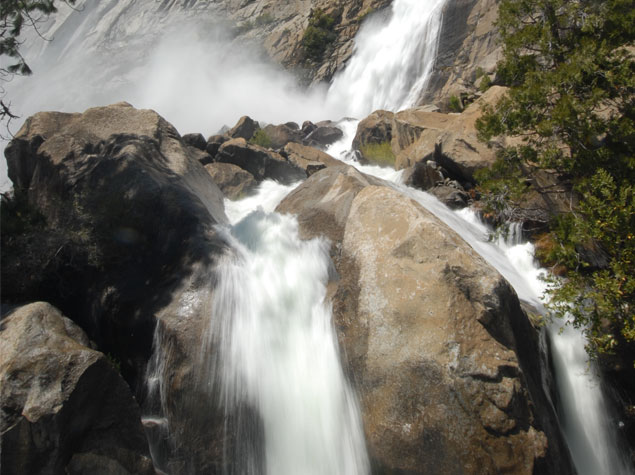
(571,73)
(14,16)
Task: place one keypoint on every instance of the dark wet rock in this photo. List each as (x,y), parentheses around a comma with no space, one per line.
(323,136)
(245,128)
(452,196)
(114,222)
(260,162)
(195,140)
(423,175)
(213,144)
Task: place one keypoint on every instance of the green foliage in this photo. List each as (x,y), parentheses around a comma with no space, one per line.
(455,104)
(505,183)
(319,34)
(599,299)
(571,73)
(261,138)
(379,153)
(15,15)
(485,84)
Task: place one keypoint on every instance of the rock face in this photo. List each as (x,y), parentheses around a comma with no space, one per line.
(118,231)
(449,140)
(376,129)
(259,161)
(280,28)
(308,158)
(104,182)
(245,128)
(444,359)
(65,408)
(468,50)
(233,181)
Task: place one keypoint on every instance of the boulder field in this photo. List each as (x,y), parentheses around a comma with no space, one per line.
(115,222)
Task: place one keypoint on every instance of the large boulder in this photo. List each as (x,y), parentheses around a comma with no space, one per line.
(451,140)
(65,408)
(418,135)
(115,222)
(195,140)
(245,128)
(233,181)
(323,135)
(446,364)
(103,183)
(259,161)
(310,159)
(280,135)
(375,129)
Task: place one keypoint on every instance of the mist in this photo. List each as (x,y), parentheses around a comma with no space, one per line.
(189,70)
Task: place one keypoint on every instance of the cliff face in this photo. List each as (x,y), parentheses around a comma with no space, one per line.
(280,27)
(468,49)
(277,29)
(468,46)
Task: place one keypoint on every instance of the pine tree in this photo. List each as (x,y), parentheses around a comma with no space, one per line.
(571,72)
(14,16)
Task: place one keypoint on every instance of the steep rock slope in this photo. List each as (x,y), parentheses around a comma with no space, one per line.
(468,50)
(445,361)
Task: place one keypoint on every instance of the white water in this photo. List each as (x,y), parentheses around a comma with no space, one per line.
(392,60)
(591,434)
(278,350)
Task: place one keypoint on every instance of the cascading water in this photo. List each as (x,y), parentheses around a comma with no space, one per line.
(278,353)
(392,61)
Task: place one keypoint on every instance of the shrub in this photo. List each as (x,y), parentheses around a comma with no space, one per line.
(319,34)
(261,138)
(379,153)
(485,84)
(455,104)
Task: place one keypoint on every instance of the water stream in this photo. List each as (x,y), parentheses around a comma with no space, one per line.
(278,351)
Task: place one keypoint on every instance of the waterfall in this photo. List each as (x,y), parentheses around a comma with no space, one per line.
(392,60)
(278,356)
(278,353)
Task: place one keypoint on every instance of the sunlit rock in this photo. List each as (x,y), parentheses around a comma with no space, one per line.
(444,360)
(65,408)
(233,181)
